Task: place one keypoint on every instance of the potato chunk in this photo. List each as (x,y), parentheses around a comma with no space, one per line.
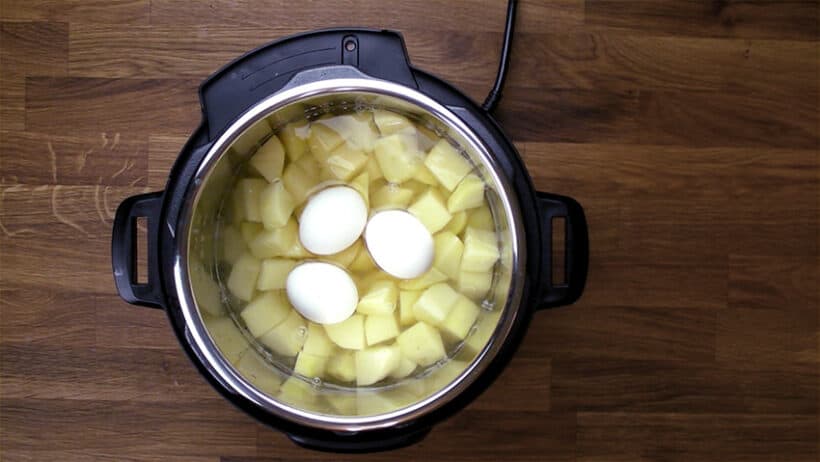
(480,250)
(391,196)
(474,284)
(294,138)
(274,273)
(299,181)
(421,344)
(447,165)
(345,162)
(390,122)
(435,304)
(318,343)
(242,280)
(448,253)
(269,159)
(323,139)
(460,319)
(398,157)
(227,337)
(275,205)
(380,327)
(275,242)
(342,366)
(429,208)
(380,298)
(432,276)
(265,312)
(407,298)
(288,337)
(467,195)
(375,363)
(250,189)
(310,365)
(348,333)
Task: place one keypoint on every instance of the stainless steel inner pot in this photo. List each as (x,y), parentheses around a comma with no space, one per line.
(219,338)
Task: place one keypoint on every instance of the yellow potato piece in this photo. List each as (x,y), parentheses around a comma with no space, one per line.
(407,298)
(297,392)
(227,337)
(250,190)
(390,122)
(257,371)
(448,250)
(481,218)
(342,366)
(275,242)
(477,340)
(269,159)
(373,170)
(429,208)
(457,223)
(274,273)
(480,250)
(275,205)
(318,343)
(467,195)
(375,363)
(423,175)
(391,196)
(345,162)
(447,165)
(435,304)
(310,365)
(380,327)
(288,337)
(294,138)
(398,157)
(299,182)
(242,280)
(249,231)
(361,184)
(474,284)
(421,344)
(265,312)
(404,369)
(323,139)
(380,298)
(432,276)
(348,333)
(460,319)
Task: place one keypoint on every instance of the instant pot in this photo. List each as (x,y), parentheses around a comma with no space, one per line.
(307,75)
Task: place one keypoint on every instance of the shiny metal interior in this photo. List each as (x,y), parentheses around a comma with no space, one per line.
(220,340)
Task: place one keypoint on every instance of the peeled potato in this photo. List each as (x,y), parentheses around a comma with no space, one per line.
(407,298)
(250,190)
(242,280)
(288,337)
(405,368)
(421,344)
(265,312)
(429,208)
(294,138)
(467,195)
(342,366)
(275,205)
(435,304)
(380,298)
(274,273)
(310,365)
(348,333)
(323,139)
(457,223)
(227,337)
(390,122)
(375,363)
(380,327)
(432,276)
(448,249)
(345,162)
(275,242)
(269,159)
(480,250)
(398,157)
(474,284)
(460,319)
(447,165)
(318,343)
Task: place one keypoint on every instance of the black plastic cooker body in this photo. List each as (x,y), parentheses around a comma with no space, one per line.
(240,85)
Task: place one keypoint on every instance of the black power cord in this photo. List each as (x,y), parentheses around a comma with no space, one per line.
(503,66)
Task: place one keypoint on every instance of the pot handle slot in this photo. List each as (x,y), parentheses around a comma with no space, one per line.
(576,249)
(356,443)
(124,250)
(229,92)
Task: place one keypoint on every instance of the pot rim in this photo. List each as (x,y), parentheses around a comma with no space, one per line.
(320,82)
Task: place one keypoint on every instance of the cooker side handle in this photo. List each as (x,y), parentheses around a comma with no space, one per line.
(124,250)
(576,242)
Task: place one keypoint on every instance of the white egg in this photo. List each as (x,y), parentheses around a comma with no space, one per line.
(399,243)
(332,220)
(322,292)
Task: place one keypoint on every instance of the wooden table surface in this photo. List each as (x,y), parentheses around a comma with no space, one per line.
(687,129)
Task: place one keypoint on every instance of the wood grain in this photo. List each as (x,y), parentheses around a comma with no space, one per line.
(689,130)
